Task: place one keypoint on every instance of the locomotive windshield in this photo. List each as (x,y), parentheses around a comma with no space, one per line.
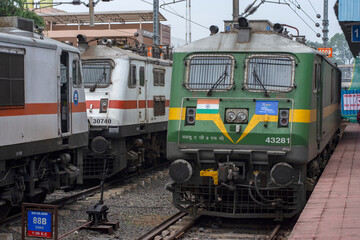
(96,73)
(269,73)
(209,72)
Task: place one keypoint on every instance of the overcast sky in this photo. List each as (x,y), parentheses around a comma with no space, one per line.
(213,12)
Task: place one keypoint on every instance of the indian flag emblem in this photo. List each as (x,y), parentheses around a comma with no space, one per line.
(207,106)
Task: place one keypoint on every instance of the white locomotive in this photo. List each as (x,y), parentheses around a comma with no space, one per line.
(43,130)
(127,101)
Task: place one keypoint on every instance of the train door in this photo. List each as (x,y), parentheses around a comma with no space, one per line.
(76,81)
(319,92)
(64,93)
(141,92)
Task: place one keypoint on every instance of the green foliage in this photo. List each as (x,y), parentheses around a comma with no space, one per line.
(341,51)
(19,8)
(315,45)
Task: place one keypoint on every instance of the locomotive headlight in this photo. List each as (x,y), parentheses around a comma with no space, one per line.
(242,116)
(236,115)
(103,105)
(230,116)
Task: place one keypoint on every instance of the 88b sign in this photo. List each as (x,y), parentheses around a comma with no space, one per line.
(39,224)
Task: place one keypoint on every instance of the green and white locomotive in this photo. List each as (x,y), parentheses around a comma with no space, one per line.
(254,116)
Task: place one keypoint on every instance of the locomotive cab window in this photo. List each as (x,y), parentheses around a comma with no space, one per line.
(12,77)
(132,76)
(142,76)
(76,74)
(159,77)
(269,73)
(209,72)
(96,73)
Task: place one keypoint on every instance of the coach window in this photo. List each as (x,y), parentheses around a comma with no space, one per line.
(269,73)
(76,74)
(132,77)
(159,77)
(142,76)
(12,77)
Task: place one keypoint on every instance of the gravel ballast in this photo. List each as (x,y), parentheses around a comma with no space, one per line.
(137,211)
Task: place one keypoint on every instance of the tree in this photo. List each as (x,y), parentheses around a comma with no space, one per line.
(19,8)
(341,51)
(315,45)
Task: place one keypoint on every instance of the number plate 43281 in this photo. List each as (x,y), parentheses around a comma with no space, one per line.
(277,140)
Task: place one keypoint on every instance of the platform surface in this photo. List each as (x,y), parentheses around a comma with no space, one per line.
(333,210)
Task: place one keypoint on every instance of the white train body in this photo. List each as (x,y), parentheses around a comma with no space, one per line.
(43,129)
(127,101)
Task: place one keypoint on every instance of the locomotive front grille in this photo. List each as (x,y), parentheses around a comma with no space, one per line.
(238,203)
(94,166)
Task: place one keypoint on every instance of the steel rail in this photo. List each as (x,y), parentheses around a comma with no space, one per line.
(73,198)
(274,232)
(162,226)
(184,229)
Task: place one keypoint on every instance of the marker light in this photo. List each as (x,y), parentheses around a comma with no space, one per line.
(190,116)
(283,118)
(103,105)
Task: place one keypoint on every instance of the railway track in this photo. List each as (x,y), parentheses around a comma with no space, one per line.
(88,192)
(181,225)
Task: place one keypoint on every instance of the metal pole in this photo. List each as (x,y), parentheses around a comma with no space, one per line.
(235,10)
(91,12)
(156,31)
(188,22)
(326,23)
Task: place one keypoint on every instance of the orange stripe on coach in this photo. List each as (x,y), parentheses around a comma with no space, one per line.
(30,109)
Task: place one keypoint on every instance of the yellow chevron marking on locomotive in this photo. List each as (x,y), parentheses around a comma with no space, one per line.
(176,113)
(254,121)
(303,115)
(216,118)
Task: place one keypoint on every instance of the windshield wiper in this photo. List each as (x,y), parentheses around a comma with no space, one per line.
(261,84)
(221,78)
(103,77)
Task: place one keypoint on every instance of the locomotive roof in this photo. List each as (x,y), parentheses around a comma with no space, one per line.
(34,40)
(259,42)
(103,51)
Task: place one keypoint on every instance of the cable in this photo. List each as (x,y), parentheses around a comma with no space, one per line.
(170,8)
(177,15)
(312,6)
(299,7)
(300,17)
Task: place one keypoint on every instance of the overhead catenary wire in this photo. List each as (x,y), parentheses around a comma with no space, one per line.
(178,15)
(312,6)
(163,7)
(300,17)
(301,9)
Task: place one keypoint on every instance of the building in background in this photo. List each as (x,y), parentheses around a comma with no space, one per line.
(348,14)
(39,3)
(128,26)
(347,72)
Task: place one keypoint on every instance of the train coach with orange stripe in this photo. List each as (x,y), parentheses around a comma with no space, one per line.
(127,101)
(254,117)
(43,123)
